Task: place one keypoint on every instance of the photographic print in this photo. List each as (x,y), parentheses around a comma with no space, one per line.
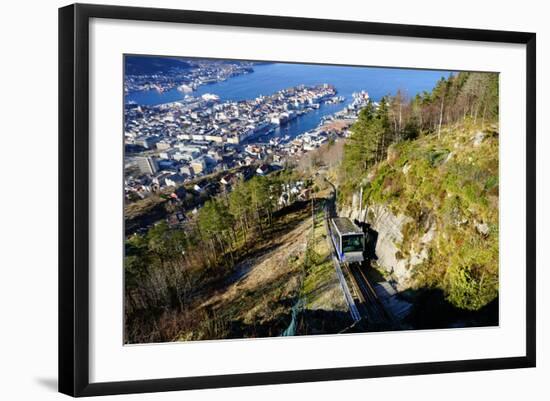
(269,199)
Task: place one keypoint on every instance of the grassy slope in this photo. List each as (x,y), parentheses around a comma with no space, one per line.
(324,308)
(257,300)
(321,287)
(450,185)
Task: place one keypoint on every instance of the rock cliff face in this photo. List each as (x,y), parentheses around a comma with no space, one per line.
(388,237)
(433,206)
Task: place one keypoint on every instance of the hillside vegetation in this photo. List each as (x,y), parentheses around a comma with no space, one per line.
(242,266)
(167,270)
(434,159)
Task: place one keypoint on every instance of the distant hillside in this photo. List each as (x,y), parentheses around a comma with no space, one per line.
(145,65)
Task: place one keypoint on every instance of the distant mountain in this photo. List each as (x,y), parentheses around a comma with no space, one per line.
(145,65)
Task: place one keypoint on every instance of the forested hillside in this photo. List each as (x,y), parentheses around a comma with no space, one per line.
(170,272)
(137,65)
(434,160)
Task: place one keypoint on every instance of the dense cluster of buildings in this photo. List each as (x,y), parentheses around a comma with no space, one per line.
(196,73)
(171,144)
(205,119)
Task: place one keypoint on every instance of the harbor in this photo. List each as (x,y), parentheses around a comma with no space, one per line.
(202,116)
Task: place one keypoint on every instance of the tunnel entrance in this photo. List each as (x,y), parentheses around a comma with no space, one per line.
(371,239)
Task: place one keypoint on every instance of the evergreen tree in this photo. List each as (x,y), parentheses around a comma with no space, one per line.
(453,98)
(239,206)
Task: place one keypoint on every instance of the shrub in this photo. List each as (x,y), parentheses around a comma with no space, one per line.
(469,287)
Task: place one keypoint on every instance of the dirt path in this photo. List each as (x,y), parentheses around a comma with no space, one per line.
(269,267)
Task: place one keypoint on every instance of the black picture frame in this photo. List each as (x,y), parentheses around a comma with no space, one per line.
(74,198)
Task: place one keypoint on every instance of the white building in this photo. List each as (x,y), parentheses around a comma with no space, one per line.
(198,165)
(147,165)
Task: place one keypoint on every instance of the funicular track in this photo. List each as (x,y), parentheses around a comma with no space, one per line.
(366,304)
(374,310)
(348,295)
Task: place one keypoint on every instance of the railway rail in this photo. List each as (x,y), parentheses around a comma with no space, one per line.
(354,311)
(368,306)
(376,313)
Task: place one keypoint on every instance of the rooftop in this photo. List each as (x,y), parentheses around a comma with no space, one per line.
(346,226)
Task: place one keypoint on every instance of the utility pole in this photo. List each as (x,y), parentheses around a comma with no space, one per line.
(312,217)
(360,202)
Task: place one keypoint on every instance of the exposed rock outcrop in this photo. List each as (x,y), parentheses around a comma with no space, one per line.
(389,236)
